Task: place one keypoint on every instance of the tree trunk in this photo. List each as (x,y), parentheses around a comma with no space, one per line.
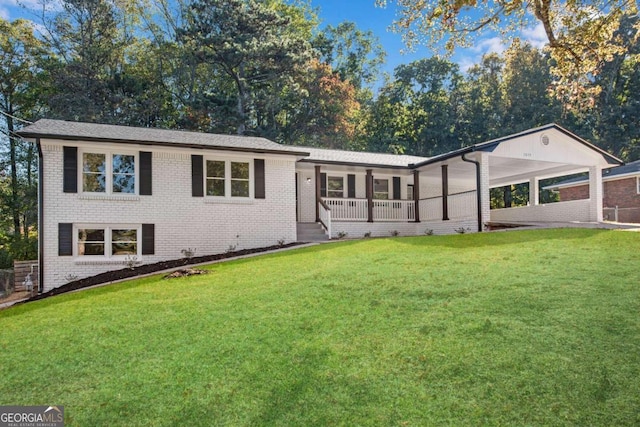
(15,209)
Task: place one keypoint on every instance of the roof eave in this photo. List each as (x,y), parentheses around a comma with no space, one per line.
(356,164)
(27,135)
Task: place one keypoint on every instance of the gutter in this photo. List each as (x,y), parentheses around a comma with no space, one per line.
(40,218)
(478,193)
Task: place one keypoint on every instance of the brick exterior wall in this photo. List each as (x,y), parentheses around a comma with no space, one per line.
(620,192)
(181,221)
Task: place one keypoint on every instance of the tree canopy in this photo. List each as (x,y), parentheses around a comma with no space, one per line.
(583,35)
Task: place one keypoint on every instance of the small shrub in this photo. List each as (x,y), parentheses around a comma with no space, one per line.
(462,230)
(367,234)
(188,253)
(231,248)
(71,277)
(281,242)
(394,233)
(131,261)
(428,232)
(342,234)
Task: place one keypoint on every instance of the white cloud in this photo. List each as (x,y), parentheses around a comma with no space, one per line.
(492,45)
(4,13)
(535,35)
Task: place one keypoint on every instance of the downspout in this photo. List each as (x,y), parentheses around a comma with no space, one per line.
(40,218)
(478,193)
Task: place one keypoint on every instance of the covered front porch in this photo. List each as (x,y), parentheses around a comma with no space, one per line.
(451,193)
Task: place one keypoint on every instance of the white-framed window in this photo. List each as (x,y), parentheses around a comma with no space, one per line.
(108,172)
(107,241)
(229,178)
(335,186)
(380,188)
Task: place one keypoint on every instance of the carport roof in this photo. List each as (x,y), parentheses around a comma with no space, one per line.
(491,145)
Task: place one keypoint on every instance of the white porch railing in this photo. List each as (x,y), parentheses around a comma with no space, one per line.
(431,209)
(347,209)
(461,205)
(383,210)
(324,213)
(394,210)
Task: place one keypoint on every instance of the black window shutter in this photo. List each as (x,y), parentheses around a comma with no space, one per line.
(258,178)
(65,239)
(323,185)
(148,239)
(351,186)
(197,177)
(70,169)
(396,188)
(145,173)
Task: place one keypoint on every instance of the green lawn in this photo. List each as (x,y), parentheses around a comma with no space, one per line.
(515,328)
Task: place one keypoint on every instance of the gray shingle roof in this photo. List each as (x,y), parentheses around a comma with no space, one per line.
(322,155)
(67,130)
(612,173)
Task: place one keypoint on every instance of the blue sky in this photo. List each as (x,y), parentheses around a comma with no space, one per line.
(367,17)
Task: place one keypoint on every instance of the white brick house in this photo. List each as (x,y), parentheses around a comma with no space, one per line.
(113,194)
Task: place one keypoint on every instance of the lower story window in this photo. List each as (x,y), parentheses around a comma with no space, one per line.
(107,241)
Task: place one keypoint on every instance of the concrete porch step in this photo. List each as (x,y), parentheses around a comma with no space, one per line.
(311,232)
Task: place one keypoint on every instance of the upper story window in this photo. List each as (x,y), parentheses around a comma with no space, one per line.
(110,173)
(335,186)
(228,178)
(381,189)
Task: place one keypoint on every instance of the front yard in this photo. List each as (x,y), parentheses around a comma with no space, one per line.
(513,328)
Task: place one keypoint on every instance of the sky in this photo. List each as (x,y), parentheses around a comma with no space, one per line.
(367,17)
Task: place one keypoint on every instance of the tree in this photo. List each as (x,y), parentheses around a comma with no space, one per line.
(582,35)
(20,53)
(527,80)
(87,41)
(483,110)
(354,54)
(326,114)
(250,42)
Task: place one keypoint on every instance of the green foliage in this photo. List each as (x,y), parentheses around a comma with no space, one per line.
(381,332)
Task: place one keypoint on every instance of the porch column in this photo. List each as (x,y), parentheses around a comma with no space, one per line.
(369,195)
(595,193)
(445,192)
(485,200)
(534,191)
(318,190)
(416,194)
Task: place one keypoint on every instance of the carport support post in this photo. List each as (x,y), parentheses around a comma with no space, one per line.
(534,191)
(485,202)
(595,193)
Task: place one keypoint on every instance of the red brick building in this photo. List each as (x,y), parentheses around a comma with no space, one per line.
(621,192)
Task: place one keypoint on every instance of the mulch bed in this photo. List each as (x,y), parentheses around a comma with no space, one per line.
(126,273)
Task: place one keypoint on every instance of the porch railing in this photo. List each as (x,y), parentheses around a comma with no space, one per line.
(463,205)
(460,205)
(394,210)
(383,210)
(348,209)
(325,216)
